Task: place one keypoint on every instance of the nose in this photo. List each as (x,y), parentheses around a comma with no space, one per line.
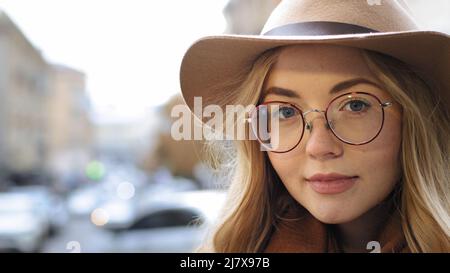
(321,144)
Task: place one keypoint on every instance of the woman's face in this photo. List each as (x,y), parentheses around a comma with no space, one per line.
(311,71)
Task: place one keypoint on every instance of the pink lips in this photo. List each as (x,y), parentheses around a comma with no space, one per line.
(331,183)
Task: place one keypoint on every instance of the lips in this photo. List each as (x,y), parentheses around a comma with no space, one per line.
(331,183)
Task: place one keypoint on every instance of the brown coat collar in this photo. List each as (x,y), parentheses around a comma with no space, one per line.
(300,232)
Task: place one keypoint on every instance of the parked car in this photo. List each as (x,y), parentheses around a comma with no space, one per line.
(168,222)
(51,205)
(23,224)
(122,213)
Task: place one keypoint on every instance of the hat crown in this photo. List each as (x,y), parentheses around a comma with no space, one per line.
(378,15)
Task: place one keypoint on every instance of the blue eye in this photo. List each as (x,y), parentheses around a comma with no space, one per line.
(286,112)
(356,106)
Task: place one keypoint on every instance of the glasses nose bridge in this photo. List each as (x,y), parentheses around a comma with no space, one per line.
(313,111)
(308,125)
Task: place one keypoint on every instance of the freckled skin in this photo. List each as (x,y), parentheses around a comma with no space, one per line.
(311,71)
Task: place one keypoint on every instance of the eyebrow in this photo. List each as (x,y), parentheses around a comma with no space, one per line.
(336,89)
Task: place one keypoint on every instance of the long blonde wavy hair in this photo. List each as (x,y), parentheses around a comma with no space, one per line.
(256,196)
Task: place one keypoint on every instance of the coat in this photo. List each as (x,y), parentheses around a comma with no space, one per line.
(306,234)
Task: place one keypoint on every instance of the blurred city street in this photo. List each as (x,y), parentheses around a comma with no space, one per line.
(113,215)
(81,235)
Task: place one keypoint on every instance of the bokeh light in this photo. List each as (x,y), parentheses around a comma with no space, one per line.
(125,190)
(99,217)
(95,170)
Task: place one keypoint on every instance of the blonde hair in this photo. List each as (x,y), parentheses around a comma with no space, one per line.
(257,197)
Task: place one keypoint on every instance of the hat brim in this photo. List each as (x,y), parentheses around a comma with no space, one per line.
(213,60)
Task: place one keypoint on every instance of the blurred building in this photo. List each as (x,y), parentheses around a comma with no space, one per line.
(70,131)
(180,157)
(248,16)
(24,92)
(45,127)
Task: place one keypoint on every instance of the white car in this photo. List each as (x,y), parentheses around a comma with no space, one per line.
(23,225)
(168,222)
(50,204)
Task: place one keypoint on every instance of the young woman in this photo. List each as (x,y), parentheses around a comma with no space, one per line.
(355,155)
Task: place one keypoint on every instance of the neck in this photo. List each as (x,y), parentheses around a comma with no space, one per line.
(353,236)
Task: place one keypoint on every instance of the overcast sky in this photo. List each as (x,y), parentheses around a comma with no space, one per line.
(130,49)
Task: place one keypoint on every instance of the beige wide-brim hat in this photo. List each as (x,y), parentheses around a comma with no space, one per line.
(385,26)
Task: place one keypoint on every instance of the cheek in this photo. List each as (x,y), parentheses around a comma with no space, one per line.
(384,153)
(289,166)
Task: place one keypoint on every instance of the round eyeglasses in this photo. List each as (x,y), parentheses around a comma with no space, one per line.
(355,118)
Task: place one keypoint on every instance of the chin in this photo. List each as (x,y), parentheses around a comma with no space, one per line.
(333,215)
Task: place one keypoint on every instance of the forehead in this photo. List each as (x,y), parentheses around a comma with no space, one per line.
(319,64)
